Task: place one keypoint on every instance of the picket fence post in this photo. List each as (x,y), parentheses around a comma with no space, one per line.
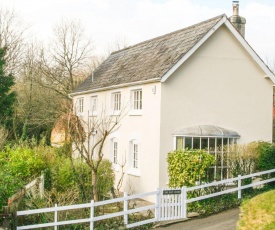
(55,216)
(239,187)
(157,209)
(183,202)
(125,209)
(92,215)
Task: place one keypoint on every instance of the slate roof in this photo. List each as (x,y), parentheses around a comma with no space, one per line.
(147,60)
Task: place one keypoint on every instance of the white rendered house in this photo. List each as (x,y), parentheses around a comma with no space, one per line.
(199,87)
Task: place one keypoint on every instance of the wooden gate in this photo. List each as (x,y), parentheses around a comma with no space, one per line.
(171,204)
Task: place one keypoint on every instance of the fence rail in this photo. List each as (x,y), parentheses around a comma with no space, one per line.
(93,218)
(170,204)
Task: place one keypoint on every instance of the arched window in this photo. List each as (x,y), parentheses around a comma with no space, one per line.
(212,139)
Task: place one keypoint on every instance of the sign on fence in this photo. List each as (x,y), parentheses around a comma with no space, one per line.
(172,192)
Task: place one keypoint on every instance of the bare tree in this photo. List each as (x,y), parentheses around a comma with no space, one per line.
(118,44)
(66,63)
(89,137)
(35,109)
(11,37)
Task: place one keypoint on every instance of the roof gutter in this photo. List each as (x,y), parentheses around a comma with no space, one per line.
(115,87)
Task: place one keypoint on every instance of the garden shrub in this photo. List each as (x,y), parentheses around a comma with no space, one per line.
(266,159)
(106,178)
(266,156)
(18,167)
(67,174)
(214,204)
(185,167)
(243,158)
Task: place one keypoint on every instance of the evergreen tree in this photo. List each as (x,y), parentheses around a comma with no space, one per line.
(7,97)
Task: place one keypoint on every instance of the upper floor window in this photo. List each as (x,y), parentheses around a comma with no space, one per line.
(137,99)
(116,101)
(93,105)
(80,105)
(136,102)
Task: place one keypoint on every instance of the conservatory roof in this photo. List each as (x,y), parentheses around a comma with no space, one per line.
(206,131)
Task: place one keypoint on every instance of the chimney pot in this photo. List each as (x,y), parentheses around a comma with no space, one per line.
(237,21)
(235,8)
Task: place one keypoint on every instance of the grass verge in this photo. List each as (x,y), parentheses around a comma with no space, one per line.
(258,212)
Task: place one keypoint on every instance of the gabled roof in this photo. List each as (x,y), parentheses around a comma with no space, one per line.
(156,59)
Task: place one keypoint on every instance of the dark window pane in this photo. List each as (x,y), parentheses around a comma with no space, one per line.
(204,143)
(212,144)
(219,143)
(188,142)
(196,143)
(225,141)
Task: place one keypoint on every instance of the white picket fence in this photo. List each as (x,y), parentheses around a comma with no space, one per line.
(170,204)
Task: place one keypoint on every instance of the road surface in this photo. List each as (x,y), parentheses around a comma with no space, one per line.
(226,220)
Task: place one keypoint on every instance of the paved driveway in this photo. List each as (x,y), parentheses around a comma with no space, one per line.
(223,221)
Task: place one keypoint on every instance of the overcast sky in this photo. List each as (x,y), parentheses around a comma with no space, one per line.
(106,21)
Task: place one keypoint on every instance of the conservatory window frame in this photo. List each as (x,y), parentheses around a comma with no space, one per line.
(216,167)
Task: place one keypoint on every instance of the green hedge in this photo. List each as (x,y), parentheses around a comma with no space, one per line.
(185,167)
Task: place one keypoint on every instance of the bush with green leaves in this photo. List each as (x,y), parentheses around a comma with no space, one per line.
(185,167)
(18,166)
(266,159)
(65,173)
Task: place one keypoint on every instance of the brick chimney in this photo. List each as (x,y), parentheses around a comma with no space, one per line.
(237,21)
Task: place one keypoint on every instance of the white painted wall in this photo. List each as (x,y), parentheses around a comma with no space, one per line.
(219,85)
(145,128)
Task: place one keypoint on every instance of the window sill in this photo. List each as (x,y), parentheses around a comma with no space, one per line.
(134,172)
(135,113)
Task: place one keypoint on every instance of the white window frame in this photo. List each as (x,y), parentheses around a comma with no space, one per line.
(115,145)
(116,103)
(114,153)
(93,105)
(230,140)
(79,108)
(134,158)
(136,102)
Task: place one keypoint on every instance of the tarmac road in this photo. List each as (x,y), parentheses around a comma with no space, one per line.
(226,220)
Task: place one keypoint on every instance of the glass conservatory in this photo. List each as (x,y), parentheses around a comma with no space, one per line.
(213,139)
